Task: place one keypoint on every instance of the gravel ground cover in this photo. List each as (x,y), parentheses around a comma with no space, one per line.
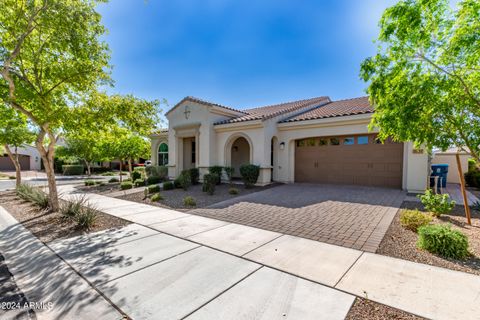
(174,198)
(367,309)
(401,243)
(48,226)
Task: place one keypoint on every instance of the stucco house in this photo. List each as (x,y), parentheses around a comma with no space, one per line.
(314,140)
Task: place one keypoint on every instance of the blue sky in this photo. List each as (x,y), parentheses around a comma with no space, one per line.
(240,53)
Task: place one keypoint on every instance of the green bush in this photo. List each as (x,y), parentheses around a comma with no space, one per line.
(472,178)
(86,218)
(157,171)
(438,204)
(126,185)
(102,183)
(168,185)
(153,188)
(153,180)
(209,182)
(73,169)
(70,209)
(249,173)
(472,165)
(136,175)
(443,240)
(139,183)
(185,180)
(12,178)
(414,219)
(229,172)
(32,194)
(194,175)
(189,201)
(156,197)
(217,170)
(112,180)
(89,182)
(177,183)
(141,170)
(233,191)
(109,173)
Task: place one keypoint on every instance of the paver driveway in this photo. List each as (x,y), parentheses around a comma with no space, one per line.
(350,216)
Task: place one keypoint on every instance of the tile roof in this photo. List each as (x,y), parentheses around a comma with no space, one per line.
(200,101)
(336,109)
(267,112)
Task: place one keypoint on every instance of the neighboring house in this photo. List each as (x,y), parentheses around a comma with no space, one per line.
(449,157)
(28,156)
(314,140)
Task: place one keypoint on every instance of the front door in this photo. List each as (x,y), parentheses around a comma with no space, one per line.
(189,153)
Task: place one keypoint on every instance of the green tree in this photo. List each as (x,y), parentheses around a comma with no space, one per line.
(424,80)
(51,55)
(14,132)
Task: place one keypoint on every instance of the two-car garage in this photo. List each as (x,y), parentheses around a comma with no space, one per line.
(7,165)
(353,160)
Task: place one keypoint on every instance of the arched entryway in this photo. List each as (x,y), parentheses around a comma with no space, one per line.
(240,154)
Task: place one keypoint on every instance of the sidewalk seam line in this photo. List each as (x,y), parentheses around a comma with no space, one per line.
(349,268)
(281,235)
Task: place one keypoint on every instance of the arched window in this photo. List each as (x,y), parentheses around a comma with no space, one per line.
(163,154)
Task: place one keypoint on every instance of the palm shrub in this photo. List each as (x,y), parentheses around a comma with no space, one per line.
(70,209)
(441,239)
(32,194)
(126,185)
(185,180)
(414,219)
(438,204)
(194,175)
(249,173)
(217,170)
(209,182)
(86,218)
(168,185)
(153,188)
(189,201)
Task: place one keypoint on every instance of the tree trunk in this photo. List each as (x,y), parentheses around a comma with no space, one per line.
(121,179)
(16,163)
(89,172)
(130,167)
(47,157)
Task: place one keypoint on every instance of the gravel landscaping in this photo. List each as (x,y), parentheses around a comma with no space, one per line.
(101,189)
(173,199)
(401,243)
(12,298)
(367,309)
(49,226)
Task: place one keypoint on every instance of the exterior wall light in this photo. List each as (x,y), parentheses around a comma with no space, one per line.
(282,145)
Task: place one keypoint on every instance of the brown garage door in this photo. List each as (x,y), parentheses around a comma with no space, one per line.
(355,160)
(7,165)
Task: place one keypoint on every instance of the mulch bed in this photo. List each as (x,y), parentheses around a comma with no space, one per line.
(367,309)
(173,199)
(401,243)
(48,226)
(12,298)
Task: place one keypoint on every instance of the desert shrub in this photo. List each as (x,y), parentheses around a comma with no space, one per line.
(472,164)
(233,191)
(123,173)
(141,170)
(113,180)
(441,239)
(156,197)
(229,172)
(189,201)
(109,173)
(70,209)
(438,204)
(168,185)
(217,170)
(12,178)
(414,219)
(153,188)
(102,183)
(32,194)
(153,180)
(99,169)
(194,175)
(89,182)
(139,183)
(86,218)
(73,169)
(136,175)
(126,185)
(177,183)
(157,171)
(249,173)
(472,178)
(209,182)
(185,180)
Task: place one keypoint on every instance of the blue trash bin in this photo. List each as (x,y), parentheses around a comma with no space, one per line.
(440,171)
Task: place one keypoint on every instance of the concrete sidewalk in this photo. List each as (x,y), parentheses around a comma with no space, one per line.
(209,269)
